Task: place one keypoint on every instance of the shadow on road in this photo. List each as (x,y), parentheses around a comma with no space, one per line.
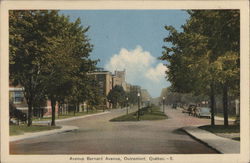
(179,132)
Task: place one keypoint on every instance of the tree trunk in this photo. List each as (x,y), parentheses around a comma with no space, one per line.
(67,109)
(74,110)
(225,104)
(29,114)
(78,108)
(59,109)
(53,107)
(212,104)
(42,112)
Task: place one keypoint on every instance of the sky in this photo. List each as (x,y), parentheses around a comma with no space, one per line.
(131,40)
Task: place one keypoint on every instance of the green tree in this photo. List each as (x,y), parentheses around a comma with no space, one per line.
(27,50)
(69,63)
(222,30)
(132,97)
(117,96)
(199,55)
(49,55)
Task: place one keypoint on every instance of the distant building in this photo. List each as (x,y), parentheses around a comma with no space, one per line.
(128,87)
(104,79)
(135,88)
(119,79)
(145,95)
(107,81)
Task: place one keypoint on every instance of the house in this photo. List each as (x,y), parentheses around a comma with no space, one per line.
(16,96)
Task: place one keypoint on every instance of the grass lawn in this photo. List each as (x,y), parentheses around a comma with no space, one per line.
(222,129)
(231,131)
(69,115)
(229,116)
(147,113)
(21,129)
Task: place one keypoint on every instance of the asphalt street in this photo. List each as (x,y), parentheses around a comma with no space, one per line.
(97,135)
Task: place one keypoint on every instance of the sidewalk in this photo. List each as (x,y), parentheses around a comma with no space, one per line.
(43,133)
(51,132)
(222,145)
(69,119)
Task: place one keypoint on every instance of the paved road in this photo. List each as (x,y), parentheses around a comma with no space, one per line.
(96,135)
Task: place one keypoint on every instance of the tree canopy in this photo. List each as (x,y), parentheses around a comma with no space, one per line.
(204,57)
(49,56)
(117,96)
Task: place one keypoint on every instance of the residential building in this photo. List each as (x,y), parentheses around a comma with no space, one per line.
(16,96)
(104,79)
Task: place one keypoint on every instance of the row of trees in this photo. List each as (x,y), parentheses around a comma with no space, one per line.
(49,57)
(181,98)
(118,97)
(204,58)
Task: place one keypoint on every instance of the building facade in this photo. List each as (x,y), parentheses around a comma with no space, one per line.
(105,84)
(119,79)
(16,96)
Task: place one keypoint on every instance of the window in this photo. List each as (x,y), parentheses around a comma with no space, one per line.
(17,97)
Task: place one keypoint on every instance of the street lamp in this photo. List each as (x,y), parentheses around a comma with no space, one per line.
(163,99)
(127,104)
(138,114)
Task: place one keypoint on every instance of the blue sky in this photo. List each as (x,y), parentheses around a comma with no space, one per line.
(131,40)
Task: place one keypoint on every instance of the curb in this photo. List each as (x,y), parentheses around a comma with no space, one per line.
(42,133)
(219,144)
(69,119)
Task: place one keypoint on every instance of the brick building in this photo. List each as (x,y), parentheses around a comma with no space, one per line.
(16,96)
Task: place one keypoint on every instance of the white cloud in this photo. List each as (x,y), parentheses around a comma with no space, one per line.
(156,73)
(140,69)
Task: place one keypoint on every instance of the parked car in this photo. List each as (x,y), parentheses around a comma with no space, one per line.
(203,112)
(191,109)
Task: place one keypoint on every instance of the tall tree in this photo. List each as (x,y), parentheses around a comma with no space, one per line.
(199,55)
(49,55)
(69,63)
(27,51)
(117,96)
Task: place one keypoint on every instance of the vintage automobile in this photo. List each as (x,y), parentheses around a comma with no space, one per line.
(203,112)
(190,109)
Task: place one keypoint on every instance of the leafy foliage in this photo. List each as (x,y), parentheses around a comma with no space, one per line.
(49,56)
(117,96)
(205,55)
